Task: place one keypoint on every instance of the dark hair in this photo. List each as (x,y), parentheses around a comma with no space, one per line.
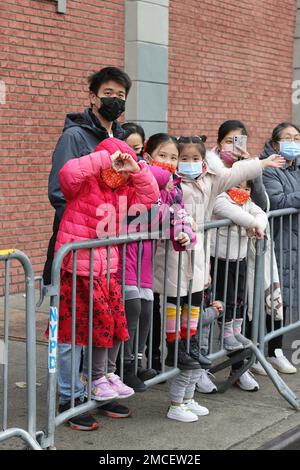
(132,128)
(156,140)
(105,75)
(197,140)
(250,185)
(276,134)
(229,126)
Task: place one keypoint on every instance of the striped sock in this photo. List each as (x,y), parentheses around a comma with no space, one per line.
(171,323)
(194,319)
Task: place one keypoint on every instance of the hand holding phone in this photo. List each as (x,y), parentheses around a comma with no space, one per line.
(240,146)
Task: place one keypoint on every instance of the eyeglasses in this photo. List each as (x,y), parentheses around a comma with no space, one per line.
(191,139)
(290,139)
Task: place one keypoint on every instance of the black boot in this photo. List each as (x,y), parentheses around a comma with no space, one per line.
(156,363)
(171,354)
(195,353)
(185,361)
(131,379)
(144,373)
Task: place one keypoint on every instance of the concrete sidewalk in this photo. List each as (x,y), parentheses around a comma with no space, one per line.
(237,420)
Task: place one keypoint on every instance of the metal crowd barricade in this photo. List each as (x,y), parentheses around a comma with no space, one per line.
(216,352)
(54,420)
(28,435)
(258,335)
(282,222)
(280,219)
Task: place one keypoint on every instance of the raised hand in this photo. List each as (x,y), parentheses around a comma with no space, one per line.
(124,163)
(242,155)
(274,161)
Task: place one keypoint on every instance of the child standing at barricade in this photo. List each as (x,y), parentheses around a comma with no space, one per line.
(250,220)
(162,150)
(95,187)
(236,205)
(203,178)
(162,157)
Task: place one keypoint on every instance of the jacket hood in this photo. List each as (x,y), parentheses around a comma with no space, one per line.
(214,162)
(268,150)
(88,120)
(112,145)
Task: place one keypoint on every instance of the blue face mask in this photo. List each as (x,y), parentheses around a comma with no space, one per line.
(289,150)
(191,170)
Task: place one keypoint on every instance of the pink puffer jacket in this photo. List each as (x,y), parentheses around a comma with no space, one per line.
(94,210)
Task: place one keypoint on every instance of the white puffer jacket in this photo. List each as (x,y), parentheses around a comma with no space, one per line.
(249,215)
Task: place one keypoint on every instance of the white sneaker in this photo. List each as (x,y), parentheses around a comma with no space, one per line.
(205,384)
(281,363)
(181,413)
(257,368)
(194,407)
(247,382)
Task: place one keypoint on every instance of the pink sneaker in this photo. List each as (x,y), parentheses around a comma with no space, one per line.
(101,390)
(116,384)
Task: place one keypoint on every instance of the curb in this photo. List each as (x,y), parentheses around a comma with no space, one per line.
(283,441)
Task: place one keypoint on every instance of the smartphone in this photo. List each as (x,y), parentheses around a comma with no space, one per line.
(239,141)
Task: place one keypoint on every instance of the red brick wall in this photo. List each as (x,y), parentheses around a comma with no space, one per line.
(45,59)
(234,59)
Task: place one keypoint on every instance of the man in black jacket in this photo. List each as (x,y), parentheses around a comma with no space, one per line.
(82,133)
(108,90)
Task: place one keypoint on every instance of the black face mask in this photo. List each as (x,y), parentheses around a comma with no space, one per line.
(111,108)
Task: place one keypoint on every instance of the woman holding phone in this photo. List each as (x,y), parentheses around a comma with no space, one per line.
(231,147)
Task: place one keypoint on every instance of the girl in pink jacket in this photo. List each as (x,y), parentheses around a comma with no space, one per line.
(98,189)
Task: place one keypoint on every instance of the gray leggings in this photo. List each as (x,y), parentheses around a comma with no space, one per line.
(182,387)
(137,309)
(98,360)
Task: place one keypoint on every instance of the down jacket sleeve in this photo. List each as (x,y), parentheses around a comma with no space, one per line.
(247,217)
(259,215)
(74,173)
(145,189)
(162,176)
(240,171)
(224,208)
(279,198)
